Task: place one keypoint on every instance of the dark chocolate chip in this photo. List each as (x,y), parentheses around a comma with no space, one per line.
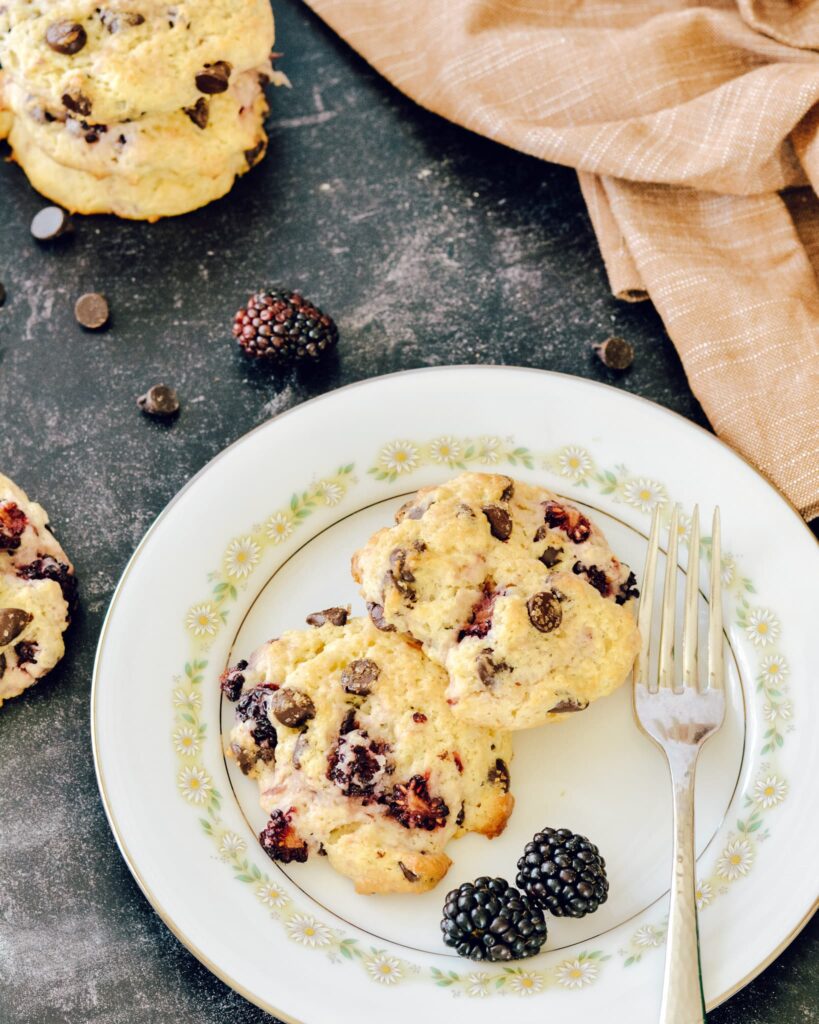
(615,353)
(66,37)
(51,222)
(12,623)
(199,112)
(461,815)
(213,78)
(348,723)
(299,749)
(335,616)
(465,510)
(159,400)
(377,615)
(91,311)
(26,652)
(409,875)
(116,21)
(2,293)
(398,564)
(487,668)
(500,522)
(551,556)
(508,492)
(292,707)
(77,103)
(359,676)
(409,510)
(544,611)
(2,665)
(499,774)
(568,705)
(243,759)
(254,155)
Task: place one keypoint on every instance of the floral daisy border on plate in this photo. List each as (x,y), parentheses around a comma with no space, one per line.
(398,459)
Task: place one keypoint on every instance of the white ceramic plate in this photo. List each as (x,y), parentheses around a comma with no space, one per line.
(263,535)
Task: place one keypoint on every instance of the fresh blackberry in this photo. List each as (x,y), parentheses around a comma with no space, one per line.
(283,327)
(563,873)
(489,920)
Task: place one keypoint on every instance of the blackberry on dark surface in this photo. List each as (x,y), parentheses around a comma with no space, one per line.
(48,568)
(488,919)
(232,680)
(563,873)
(283,327)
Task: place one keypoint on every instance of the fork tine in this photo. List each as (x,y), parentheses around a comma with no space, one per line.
(668,619)
(715,660)
(690,639)
(644,615)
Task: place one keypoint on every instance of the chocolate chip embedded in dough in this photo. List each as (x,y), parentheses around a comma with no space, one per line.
(409,875)
(499,775)
(199,113)
(291,707)
(66,37)
(377,615)
(335,616)
(544,610)
(500,522)
(568,705)
(214,78)
(12,623)
(358,677)
(77,103)
(550,557)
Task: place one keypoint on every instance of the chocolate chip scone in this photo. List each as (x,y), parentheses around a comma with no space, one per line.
(358,756)
(37,591)
(510,588)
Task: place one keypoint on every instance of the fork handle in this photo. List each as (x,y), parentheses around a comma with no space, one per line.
(683,1001)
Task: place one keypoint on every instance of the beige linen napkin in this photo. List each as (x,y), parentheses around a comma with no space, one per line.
(685,122)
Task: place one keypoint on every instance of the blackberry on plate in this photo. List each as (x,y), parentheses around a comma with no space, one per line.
(490,920)
(563,873)
(283,327)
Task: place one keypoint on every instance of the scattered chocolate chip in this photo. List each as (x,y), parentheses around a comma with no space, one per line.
(3,664)
(66,37)
(243,759)
(461,815)
(213,78)
(77,103)
(299,748)
(409,510)
(500,522)
(292,707)
(551,556)
(568,705)
(508,492)
(544,610)
(91,311)
(377,615)
(487,668)
(26,652)
(51,222)
(348,723)
(465,510)
(499,774)
(12,623)
(409,875)
(335,616)
(419,718)
(254,155)
(615,353)
(199,112)
(159,400)
(2,293)
(359,676)
(116,21)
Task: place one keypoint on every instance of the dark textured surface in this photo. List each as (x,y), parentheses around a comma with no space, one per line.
(430,246)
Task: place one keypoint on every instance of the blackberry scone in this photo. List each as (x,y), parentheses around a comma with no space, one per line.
(358,757)
(511,589)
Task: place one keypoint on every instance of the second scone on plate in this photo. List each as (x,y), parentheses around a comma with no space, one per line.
(513,590)
(358,757)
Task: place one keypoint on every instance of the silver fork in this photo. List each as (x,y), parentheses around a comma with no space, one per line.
(679,714)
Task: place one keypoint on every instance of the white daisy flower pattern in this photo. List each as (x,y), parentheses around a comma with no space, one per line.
(330,493)
(576,973)
(525,983)
(445,450)
(736,860)
(704,895)
(272,895)
(187,700)
(186,740)
(194,784)
(683,527)
(231,845)
(384,969)
(763,628)
(644,494)
(202,620)
(728,570)
(477,985)
(774,669)
(574,462)
(648,937)
(279,526)
(242,557)
(307,931)
(776,711)
(490,450)
(398,457)
(770,791)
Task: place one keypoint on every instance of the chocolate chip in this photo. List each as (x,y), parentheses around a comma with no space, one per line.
(410,510)
(51,222)
(551,556)
(335,616)
(243,759)
(2,665)
(570,704)
(398,564)
(487,668)
(358,677)
(464,510)
(199,112)
(499,775)
(159,400)
(91,311)
(348,723)
(615,353)
(213,78)
(377,615)
(500,522)
(292,707)
(254,155)
(409,875)
(12,623)
(77,103)
(66,37)
(461,815)
(2,293)
(508,491)
(299,749)
(544,611)
(116,21)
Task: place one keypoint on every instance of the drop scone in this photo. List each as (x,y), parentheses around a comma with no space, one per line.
(138,108)
(37,591)
(358,757)
(512,590)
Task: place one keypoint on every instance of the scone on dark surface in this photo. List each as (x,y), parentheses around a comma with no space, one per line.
(510,588)
(358,757)
(37,591)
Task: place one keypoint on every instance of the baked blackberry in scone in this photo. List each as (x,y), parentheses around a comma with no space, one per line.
(358,757)
(510,588)
(37,592)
